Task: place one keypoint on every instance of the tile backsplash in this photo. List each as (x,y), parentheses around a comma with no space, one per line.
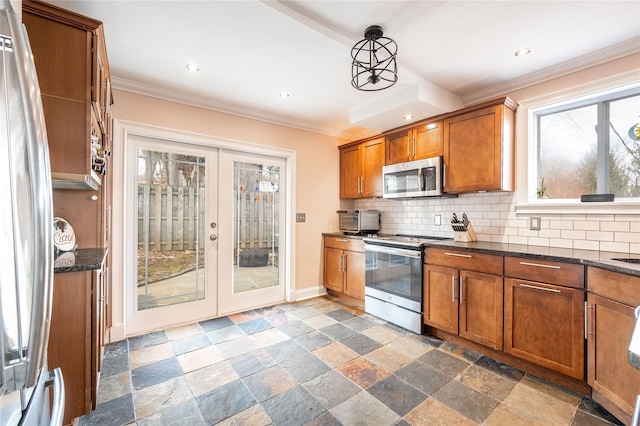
(494,219)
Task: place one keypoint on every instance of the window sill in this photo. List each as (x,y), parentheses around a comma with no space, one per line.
(577,207)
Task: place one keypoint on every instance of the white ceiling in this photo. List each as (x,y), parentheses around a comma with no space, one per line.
(450,53)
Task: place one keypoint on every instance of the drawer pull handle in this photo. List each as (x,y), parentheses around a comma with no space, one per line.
(552,290)
(539,265)
(342,240)
(457,254)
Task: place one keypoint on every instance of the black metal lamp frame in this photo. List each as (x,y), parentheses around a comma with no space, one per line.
(374,64)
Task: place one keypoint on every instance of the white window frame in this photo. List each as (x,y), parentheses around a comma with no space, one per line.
(527,202)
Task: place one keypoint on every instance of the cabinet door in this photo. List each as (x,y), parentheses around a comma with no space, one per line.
(372,162)
(68,125)
(333,275)
(544,324)
(481,308)
(98,331)
(70,340)
(609,333)
(398,147)
(440,298)
(350,172)
(428,141)
(473,151)
(62,54)
(354,274)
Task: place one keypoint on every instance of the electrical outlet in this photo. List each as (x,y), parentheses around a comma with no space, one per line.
(437,220)
(534,223)
(301,217)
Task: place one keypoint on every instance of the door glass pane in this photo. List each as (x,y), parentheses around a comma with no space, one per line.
(171,225)
(256,226)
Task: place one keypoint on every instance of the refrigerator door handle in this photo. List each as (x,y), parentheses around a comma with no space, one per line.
(57,411)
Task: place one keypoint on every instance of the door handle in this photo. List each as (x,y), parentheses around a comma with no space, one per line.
(213,225)
(453,288)
(213,237)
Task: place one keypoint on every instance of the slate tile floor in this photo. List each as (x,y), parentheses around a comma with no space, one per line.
(319,362)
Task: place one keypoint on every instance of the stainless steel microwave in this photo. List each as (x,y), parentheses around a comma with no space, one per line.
(420,178)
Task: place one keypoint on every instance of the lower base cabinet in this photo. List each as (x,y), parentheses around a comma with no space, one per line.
(610,324)
(464,302)
(344,268)
(76,338)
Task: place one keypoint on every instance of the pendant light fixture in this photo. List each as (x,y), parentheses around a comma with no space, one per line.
(374,61)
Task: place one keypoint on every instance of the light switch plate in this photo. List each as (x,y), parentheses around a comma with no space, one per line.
(534,223)
(301,217)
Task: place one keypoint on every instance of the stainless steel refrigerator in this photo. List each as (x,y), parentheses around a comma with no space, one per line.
(26,247)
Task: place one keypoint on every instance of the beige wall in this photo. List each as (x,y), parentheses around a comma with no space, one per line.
(317,165)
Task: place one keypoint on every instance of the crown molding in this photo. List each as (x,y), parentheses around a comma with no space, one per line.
(598,57)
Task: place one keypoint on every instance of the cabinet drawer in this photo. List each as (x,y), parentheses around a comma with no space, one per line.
(565,274)
(353,244)
(471,261)
(613,285)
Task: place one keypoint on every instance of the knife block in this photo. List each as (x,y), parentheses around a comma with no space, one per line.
(465,236)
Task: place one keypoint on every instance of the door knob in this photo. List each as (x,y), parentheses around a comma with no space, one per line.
(213,237)
(213,225)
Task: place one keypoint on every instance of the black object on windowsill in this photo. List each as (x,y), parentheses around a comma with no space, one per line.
(596,198)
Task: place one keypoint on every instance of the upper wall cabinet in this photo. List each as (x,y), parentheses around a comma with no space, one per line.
(361,169)
(419,142)
(479,148)
(73,72)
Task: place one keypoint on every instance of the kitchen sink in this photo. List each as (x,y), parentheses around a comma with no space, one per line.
(627,259)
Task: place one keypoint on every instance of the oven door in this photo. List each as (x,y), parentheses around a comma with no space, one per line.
(394,275)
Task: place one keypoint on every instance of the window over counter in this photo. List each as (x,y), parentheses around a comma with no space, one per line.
(582,143)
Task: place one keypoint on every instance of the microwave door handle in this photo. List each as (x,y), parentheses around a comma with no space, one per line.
(421,179)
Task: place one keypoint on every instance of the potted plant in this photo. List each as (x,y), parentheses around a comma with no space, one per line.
(542,190)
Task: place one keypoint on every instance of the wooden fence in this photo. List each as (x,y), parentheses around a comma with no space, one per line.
(169,216)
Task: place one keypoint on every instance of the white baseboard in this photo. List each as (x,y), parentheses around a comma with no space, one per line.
(116,334)
(309,292)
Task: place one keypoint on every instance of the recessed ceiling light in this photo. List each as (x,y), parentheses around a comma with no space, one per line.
(285,95)
(193,67)
(522,52)
(408,117)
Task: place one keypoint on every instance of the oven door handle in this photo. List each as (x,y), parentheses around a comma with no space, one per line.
(393,250)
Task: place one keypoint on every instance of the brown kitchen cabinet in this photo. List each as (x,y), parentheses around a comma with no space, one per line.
(73,73)
(479,148)
(423,141)
(463,294)
(76,337)
(544,314)
(361,169)
(611,301)
(344,268)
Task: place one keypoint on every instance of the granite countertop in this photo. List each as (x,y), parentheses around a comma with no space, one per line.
(89,259)
(598,259)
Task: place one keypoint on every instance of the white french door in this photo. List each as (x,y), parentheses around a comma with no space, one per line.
(252,249)
(172,245)
(205,232)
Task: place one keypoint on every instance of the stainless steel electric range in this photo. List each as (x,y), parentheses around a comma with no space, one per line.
(393,278)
